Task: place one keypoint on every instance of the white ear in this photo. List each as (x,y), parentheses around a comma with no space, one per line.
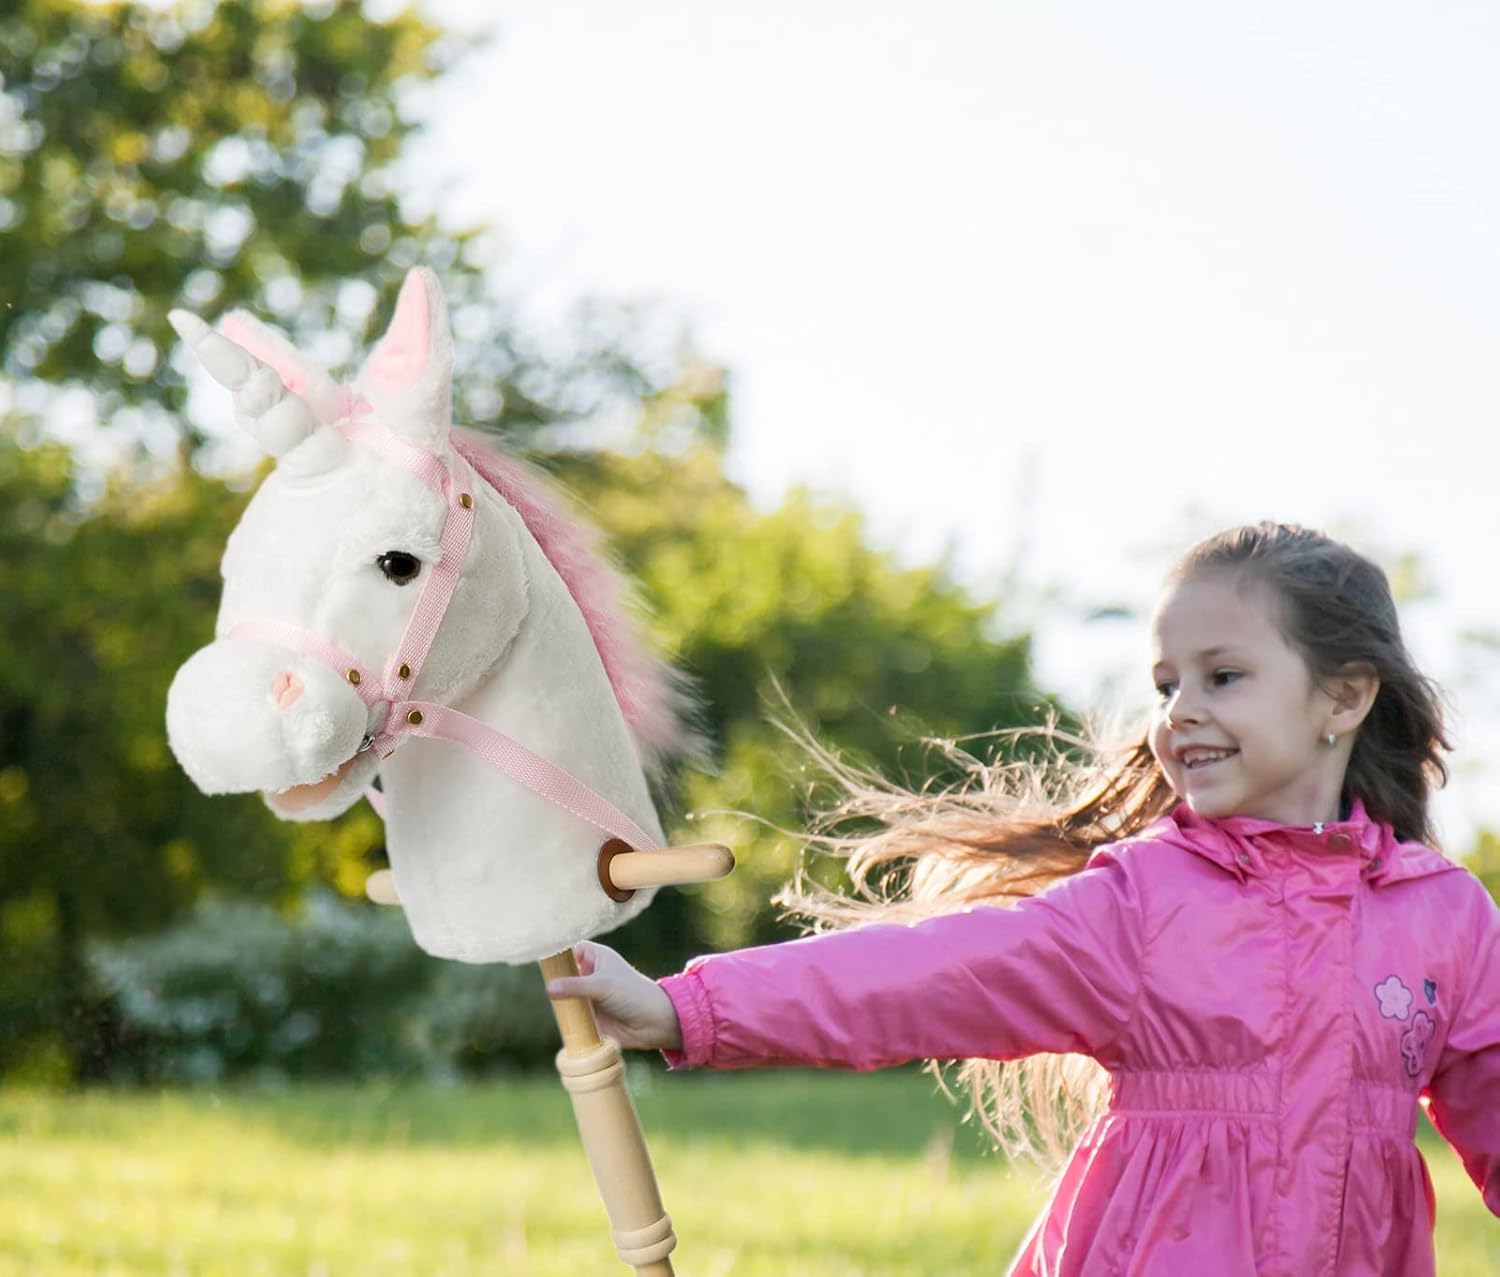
(277,418)
(408,377)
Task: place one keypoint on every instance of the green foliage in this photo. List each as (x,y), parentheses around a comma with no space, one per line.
(1483,861)
(474,1021)
(212,155)
(100,833)
(330,988)
(239,988)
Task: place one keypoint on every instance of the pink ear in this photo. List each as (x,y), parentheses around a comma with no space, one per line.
(400,359)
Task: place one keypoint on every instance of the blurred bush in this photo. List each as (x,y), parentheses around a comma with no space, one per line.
(333,988)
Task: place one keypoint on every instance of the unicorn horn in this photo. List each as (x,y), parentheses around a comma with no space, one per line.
(277,418)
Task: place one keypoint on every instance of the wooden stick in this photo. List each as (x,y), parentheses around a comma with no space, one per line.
(671,866)
(380,886)
(592,1071)
(628,870)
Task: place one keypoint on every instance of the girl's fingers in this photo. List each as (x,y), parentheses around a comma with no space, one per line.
(569,986)
(598,974)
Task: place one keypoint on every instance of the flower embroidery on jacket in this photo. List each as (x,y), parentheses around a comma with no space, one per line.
(1429,987)
(1414,1042)
(1394,998)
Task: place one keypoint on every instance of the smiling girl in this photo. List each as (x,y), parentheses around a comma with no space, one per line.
(1239,918)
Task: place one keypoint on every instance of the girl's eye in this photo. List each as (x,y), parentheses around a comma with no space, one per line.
(1222,678)
(1165,689)
(399,566)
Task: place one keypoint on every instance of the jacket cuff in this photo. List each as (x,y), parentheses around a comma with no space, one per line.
(694,1015)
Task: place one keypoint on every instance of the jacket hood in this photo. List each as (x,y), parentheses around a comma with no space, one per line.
(1246,847)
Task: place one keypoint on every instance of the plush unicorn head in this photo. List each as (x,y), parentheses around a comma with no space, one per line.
(400,600)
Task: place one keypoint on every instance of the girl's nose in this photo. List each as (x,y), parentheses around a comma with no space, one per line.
(1181,713)
(286,689)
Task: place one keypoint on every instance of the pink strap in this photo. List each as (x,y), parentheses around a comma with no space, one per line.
(279,634)
(453,543)
(442,580)
(513,759)
(425,465)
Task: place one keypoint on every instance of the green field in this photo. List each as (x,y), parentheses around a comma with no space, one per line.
(794,1174)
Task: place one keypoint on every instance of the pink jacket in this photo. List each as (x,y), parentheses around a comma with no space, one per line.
(1271,1003)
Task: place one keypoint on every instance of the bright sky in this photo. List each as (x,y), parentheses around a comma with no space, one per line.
(1065,284)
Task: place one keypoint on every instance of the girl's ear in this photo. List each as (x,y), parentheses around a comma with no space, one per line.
(1353,691)
(408,376)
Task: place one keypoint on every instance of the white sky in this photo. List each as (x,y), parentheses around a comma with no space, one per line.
(1074,282)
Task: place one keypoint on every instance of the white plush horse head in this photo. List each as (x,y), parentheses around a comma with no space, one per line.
(328,641)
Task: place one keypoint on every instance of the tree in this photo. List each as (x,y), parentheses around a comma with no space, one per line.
(211,155)
(100,833)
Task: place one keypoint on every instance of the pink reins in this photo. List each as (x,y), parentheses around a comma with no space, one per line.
(406,717)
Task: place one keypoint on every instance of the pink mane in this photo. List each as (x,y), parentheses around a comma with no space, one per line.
(648,691)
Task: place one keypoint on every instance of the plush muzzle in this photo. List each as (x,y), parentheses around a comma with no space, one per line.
(245,716)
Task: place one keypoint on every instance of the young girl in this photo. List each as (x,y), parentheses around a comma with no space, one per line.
(1239,920)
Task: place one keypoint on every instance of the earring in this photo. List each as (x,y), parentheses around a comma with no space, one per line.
(1330,740)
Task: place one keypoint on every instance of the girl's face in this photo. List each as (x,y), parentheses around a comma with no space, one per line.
(1240,728)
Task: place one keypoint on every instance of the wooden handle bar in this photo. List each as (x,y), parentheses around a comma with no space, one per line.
(628,870)
(671,866)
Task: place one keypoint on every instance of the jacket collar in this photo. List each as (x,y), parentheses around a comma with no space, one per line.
(1249,848)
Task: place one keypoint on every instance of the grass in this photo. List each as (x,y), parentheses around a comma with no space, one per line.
(814,1175)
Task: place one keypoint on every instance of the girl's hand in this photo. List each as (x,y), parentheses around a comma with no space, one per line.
(630,1007)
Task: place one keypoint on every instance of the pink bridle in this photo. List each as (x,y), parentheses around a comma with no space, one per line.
(406,717)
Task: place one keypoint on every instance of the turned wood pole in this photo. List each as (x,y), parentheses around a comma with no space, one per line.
(594,1074)
(591,1067)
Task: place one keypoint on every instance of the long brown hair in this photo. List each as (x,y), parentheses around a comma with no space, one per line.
(1009,829)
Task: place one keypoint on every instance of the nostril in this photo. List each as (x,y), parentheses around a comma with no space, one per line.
(286,689)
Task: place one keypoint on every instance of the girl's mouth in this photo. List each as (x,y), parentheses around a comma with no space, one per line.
(1197,760)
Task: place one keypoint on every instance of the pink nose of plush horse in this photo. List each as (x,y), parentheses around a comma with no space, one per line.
(286,689)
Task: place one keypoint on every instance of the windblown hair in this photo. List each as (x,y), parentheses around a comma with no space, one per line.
(1009,829)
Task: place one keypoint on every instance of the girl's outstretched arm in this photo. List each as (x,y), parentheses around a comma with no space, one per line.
(1058,972)
(630,1007)
(1464,1095)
